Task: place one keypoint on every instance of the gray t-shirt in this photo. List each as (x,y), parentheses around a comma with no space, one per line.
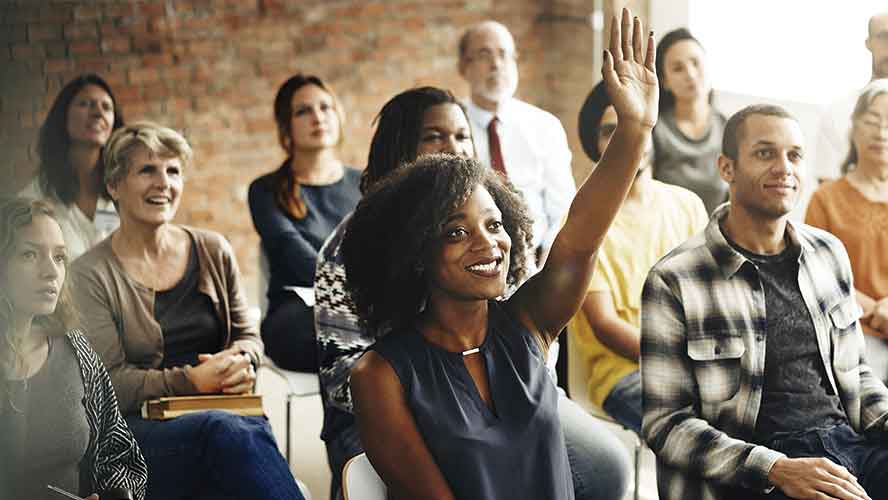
(796,393)
(44,437)
(691,163)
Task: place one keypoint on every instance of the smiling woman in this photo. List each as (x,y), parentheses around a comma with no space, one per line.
(164,307)
(70,175)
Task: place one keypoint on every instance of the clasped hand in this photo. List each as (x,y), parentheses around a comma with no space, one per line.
(228,371)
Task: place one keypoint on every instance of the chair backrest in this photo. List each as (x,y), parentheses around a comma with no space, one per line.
(360,481)
(264,276)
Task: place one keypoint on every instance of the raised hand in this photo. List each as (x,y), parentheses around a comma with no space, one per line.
(629,74)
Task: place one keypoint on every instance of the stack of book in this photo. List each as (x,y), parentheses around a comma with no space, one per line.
(172,407)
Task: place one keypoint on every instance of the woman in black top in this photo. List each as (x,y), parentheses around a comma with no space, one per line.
(455,401)
(59,421)
(294,209)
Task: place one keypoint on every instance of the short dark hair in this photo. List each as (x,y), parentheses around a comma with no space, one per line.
(56,178)
(398,129)
(401,218)
(667,98)
(734,128)
(589,120)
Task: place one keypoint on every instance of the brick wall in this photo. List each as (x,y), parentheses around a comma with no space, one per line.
(210,68)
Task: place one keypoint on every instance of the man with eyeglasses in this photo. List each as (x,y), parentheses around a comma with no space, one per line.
(832,137)
(525,143)
(529,146)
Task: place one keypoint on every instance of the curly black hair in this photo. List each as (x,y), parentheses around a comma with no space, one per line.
(402,217)
(56,177)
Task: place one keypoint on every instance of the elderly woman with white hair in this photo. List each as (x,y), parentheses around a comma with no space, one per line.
(855,209)
(164,306)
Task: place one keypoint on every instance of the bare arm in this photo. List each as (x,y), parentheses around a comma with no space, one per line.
(610,329)
(631,82)
(389,433)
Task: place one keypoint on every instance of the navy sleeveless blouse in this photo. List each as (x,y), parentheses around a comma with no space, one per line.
(516,453)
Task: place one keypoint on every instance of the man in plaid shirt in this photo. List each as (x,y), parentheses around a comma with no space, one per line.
(751,357)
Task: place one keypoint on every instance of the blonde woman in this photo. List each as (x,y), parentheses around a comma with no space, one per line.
(164,306)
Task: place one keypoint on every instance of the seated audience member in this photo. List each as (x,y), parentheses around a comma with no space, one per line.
(456,401)
(70,174)
(417,122)
(751,349)
(855,209)
(163,306)
(295,208)
(525,143)
(654,219)
(59,423)
(835,122)
(688,135)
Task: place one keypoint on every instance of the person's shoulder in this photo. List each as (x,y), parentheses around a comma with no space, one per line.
(94,260)
(687,258)
(212,241)
(264,182)
(527,110)
(819,238)
(673,193)
(352,174)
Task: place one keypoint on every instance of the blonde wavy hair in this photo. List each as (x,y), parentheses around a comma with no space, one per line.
(159,140)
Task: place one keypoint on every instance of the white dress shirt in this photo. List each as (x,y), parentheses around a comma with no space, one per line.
(537,159)
(833,140)
(80,232)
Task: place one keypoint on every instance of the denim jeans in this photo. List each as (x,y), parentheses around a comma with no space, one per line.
(599,463)
(213,455)
(623,403)
(866,459)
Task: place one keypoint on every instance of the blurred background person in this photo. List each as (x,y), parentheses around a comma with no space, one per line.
(294,209)
(70,172)
(835,124)
(688,134)
(655,218)
(855,209)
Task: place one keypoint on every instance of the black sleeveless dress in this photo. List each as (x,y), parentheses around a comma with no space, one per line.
(516,453)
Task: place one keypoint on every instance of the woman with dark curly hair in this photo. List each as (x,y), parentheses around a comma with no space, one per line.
(70,175)
(295,208)
(455,401)
(59,420)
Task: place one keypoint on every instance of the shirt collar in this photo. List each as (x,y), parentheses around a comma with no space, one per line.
(729,260)
(482,117)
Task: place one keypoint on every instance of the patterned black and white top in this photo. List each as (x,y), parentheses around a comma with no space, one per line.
(112,464)
(341,339)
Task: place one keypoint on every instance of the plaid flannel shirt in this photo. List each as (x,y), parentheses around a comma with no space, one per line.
(703,327)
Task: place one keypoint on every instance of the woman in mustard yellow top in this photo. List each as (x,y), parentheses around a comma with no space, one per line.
(855,209)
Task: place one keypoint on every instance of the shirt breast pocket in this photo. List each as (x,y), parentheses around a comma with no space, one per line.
(716,363)
(846,339)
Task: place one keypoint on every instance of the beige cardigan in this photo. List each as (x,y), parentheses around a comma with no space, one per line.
(118,316)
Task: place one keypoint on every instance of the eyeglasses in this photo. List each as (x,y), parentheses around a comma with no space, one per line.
(872,124)
(490,56)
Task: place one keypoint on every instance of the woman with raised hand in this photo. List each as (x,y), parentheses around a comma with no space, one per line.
(70,174)
(456,401)
(164,306)
(295,208)
(688,135)
(855,209)
(59,422)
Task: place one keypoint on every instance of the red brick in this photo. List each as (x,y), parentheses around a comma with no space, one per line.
(21,14)
(12,33)
(88,11)
(155,91)
(80,31)
(26,51)
(148,43)
(53,66)
(118,10)
(161,60)
(91,64)
(56,49)
(83,48)
(138,76)
(57,13)
(44,32)
(115,45)
(152,8)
